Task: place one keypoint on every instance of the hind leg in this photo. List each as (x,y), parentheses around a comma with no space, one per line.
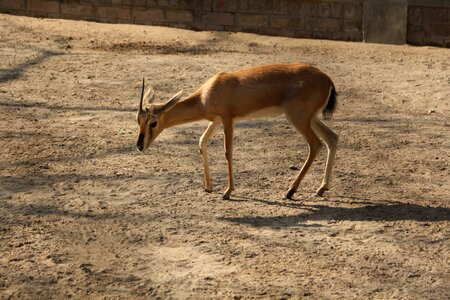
(303,125)
(331,140)
(228,129)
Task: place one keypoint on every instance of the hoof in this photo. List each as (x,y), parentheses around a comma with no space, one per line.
(289,195)
(226,196)
(208,190)
(320,192)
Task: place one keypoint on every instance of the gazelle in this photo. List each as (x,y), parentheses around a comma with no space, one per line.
(298,91)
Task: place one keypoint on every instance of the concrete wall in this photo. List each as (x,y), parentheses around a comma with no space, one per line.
(385,21)
(380,21)
(418,22)
(429,25)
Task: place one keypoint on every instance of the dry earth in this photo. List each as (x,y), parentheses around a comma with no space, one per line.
(84,215)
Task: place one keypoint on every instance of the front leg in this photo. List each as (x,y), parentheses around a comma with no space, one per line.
(212,127)
(228,128)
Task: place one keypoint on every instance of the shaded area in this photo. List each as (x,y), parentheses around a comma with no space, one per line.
(49,210)
(73,157)
(18,71)
(35,181)
(212,45)
(35,104)
(370,212)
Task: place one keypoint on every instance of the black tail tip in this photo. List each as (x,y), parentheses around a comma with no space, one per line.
(331,104)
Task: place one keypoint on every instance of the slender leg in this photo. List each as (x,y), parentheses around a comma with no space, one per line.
(228,142)
(331,140)
(314,143)
(212,127)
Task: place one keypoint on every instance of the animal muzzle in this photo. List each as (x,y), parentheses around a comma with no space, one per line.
(140,142)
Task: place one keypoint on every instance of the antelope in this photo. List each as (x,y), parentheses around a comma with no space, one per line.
(299,91)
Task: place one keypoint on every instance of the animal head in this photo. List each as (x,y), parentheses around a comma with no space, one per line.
(151,118)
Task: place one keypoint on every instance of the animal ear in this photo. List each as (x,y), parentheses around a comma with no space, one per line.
(171,103)
(149,96)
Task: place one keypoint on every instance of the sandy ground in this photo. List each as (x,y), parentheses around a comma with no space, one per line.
(84,215)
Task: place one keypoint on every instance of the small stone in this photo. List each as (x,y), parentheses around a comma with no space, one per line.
(132,278)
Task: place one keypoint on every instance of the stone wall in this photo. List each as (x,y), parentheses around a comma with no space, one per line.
(419,22)
(334,19)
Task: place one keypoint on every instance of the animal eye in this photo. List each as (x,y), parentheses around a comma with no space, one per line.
(153,124)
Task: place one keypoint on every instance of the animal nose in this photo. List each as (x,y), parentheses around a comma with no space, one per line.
(140,142)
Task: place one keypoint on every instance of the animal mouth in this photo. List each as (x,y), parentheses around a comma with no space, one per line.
(140,142)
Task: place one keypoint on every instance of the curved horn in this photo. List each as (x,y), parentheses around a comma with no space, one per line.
(142,95)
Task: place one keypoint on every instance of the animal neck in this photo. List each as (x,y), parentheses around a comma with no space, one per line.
(188,110)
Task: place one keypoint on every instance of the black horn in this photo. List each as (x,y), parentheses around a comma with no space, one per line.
(142,95)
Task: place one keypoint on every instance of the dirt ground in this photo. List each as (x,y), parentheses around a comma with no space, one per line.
(84,215)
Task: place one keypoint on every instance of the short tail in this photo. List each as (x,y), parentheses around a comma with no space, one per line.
(328,110)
